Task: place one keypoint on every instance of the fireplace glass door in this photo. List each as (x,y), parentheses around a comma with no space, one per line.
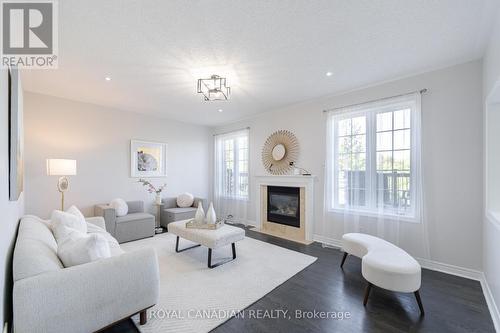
(283,205)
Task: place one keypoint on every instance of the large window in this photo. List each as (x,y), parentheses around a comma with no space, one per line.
(373,152)
(232,165)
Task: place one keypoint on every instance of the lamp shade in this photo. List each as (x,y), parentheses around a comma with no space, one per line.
(61,167)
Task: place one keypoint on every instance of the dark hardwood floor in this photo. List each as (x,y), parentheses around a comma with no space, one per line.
(452,304)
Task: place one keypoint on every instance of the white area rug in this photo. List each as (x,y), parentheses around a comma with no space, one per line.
(194,298)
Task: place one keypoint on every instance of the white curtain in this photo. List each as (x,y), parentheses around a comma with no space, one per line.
(231,176)
(373,172)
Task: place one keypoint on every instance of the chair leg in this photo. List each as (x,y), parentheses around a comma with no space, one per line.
(143,317)
(419,301)
(233,245)
(343,259)
(367,293)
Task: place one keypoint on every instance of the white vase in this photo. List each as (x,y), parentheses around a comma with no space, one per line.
(211,217)
(158,199)
(200,214)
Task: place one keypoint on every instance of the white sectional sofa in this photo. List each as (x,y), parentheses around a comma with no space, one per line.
(50,298)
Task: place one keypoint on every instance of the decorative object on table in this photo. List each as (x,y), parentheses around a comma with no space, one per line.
(193,224)
(299,171)
(63,168)
(16,134)
(199,217)
(185,200)
(214,88)
(153,189)
(280,149)
(148,159)
(211,217)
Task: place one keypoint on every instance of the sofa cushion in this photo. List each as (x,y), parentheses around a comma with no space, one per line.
(36,249)
(134,217)
(120,206)
(88,248)
(180,210)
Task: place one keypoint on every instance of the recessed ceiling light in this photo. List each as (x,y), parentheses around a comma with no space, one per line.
(220,110)
(107,78)
(329,73)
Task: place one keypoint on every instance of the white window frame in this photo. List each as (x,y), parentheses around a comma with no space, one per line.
(370,110)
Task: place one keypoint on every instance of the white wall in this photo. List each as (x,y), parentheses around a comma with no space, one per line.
(10,210)
(99,139)
(491,246)
(452,140)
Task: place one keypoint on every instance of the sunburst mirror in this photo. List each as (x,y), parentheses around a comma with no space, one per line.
(280,149)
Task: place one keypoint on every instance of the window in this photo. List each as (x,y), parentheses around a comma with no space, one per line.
(232,164)
(373,157)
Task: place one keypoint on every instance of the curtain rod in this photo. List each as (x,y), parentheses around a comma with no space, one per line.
(422,91)
(236,130)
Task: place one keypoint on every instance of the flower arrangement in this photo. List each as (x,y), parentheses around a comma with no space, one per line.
(151,188)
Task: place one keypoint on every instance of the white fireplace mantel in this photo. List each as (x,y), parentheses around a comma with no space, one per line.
(306,182)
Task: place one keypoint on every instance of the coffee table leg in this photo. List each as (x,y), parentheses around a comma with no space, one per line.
(233,247)
(187,248)
(210,258)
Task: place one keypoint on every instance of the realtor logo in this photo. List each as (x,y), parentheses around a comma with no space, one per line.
(29,34)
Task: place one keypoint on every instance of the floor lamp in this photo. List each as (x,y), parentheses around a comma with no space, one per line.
(63,168)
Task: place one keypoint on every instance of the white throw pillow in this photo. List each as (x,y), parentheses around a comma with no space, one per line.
(82,250)
(62,224)
(120,206)
(114,247)
(185,200)
(75,211)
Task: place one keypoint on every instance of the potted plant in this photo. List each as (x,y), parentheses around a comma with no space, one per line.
(153,189)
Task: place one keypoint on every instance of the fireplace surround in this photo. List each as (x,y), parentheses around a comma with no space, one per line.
(305,184)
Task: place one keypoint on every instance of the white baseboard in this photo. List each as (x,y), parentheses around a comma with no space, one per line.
(451,269)
(490,300)
(328,241)
(250,223)
(443,268)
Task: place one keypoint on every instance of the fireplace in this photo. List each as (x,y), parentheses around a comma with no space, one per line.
(283,205)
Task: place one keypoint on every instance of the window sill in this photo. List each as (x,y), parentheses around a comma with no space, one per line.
(396,217)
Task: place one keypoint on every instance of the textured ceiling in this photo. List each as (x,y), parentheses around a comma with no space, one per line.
(274,53)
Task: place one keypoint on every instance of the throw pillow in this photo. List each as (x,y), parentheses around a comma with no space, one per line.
(62,224)
(120,206)
(86,249)
(75,211)
(185,200)
(114,247)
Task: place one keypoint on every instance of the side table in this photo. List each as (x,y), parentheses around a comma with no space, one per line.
(158,228)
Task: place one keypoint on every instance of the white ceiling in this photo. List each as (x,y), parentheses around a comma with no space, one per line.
(273,53)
